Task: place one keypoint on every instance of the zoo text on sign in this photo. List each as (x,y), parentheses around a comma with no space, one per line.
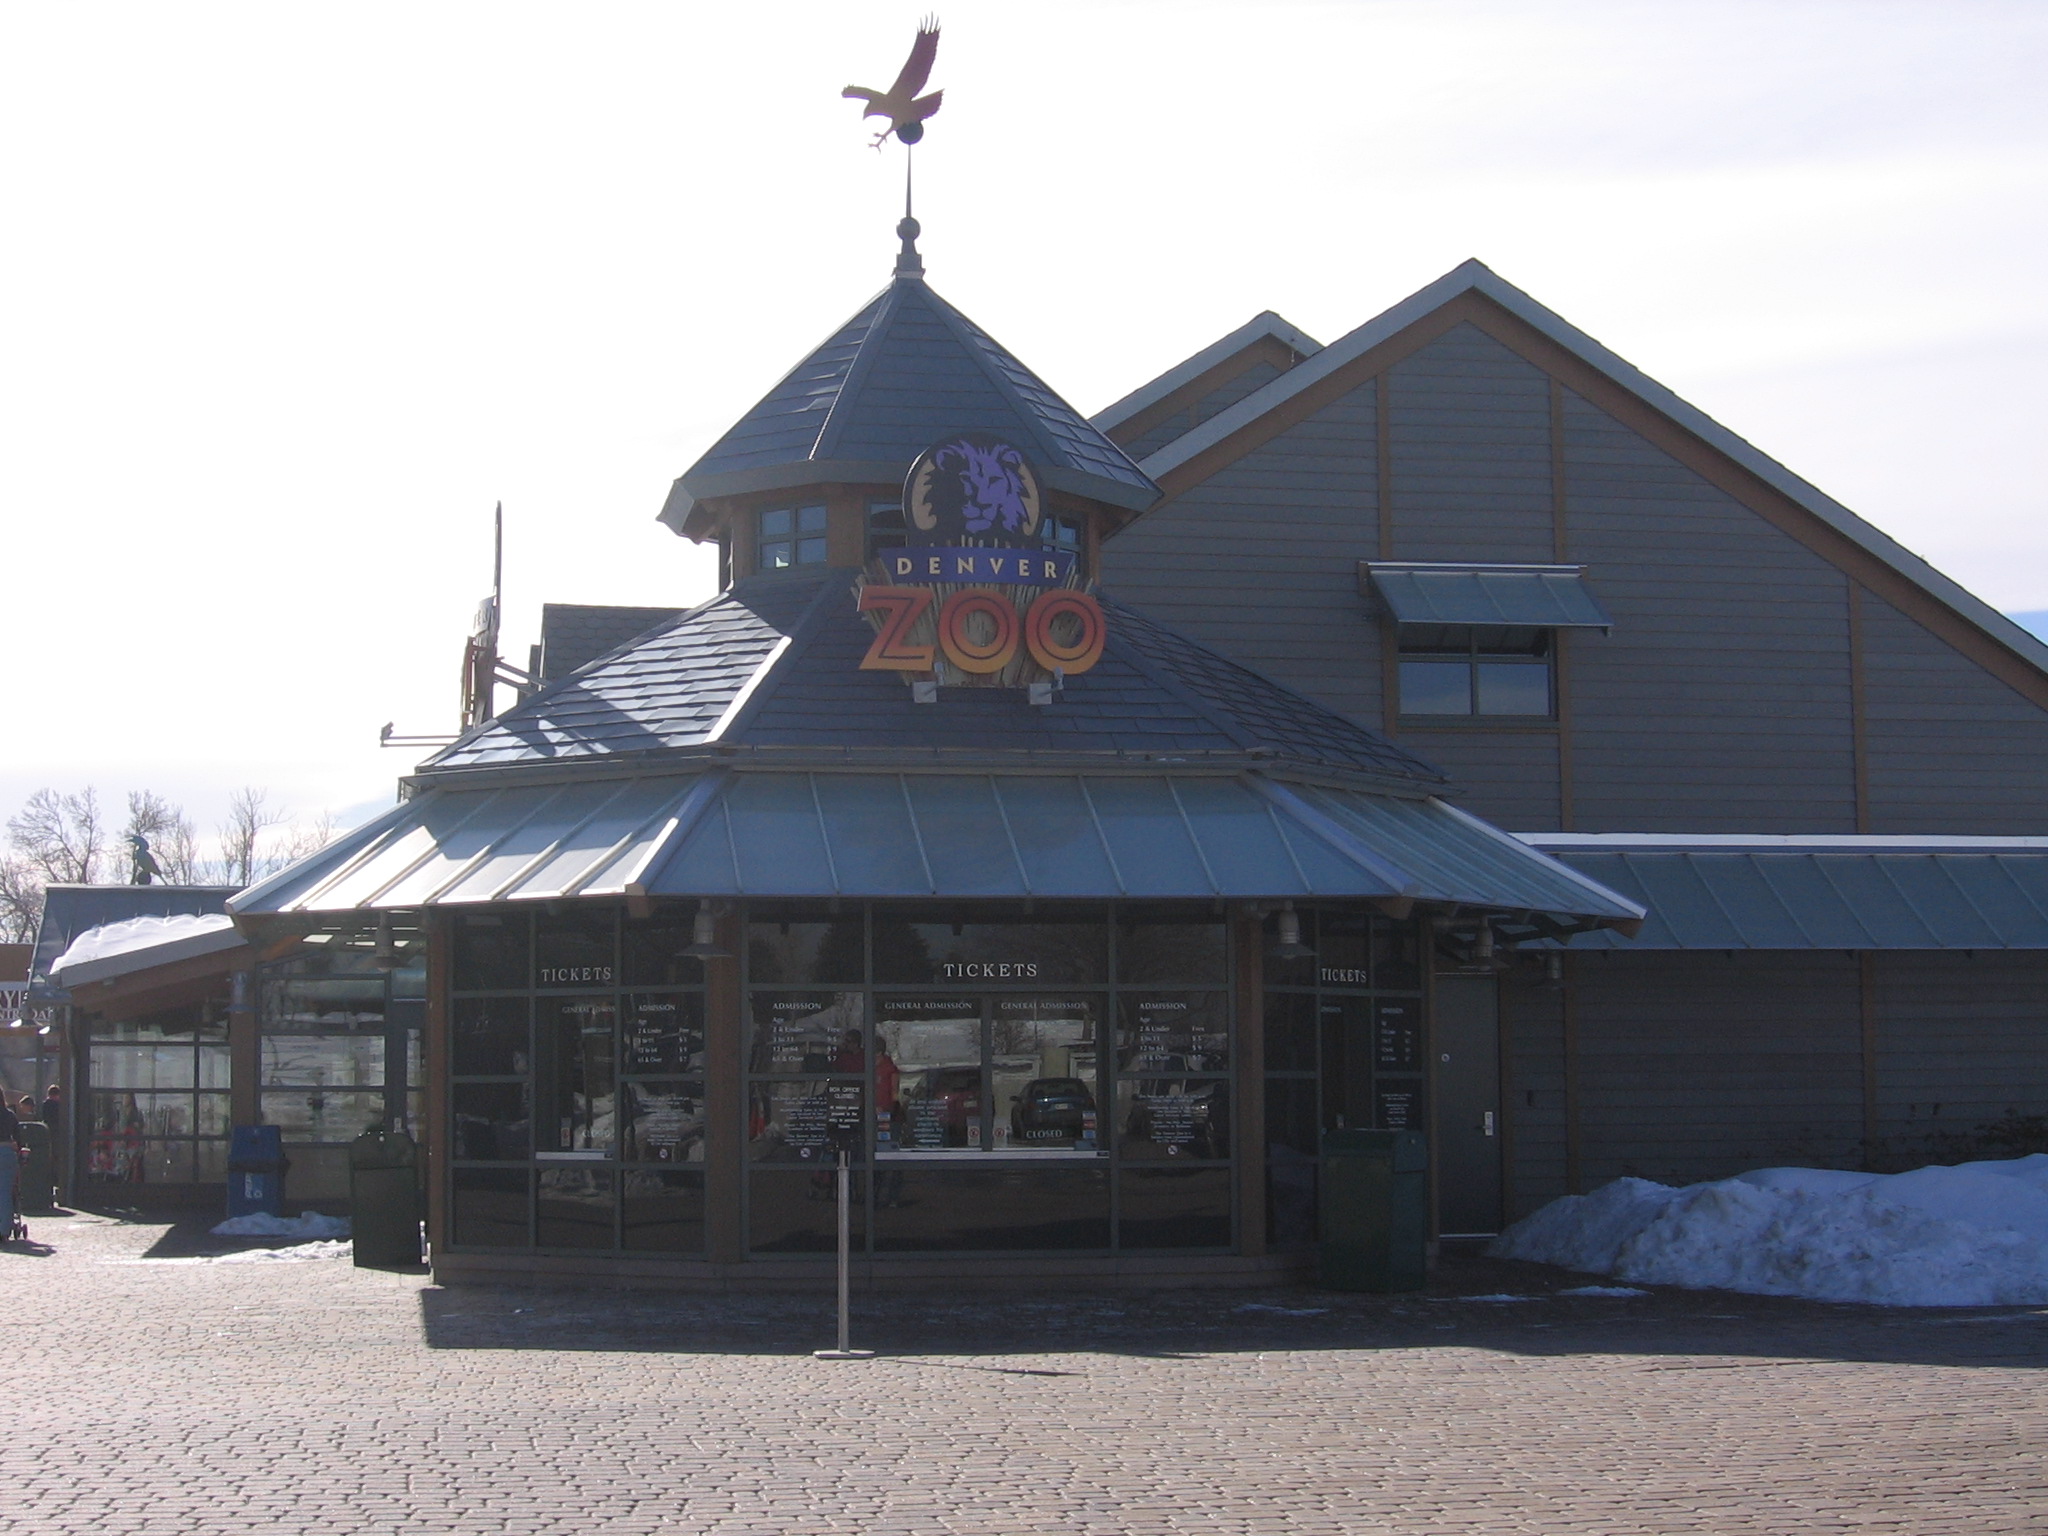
(981,632)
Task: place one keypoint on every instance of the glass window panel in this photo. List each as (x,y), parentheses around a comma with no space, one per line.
(216,1066)
(490,1037)
(131,1115)
(810,551)
(143,1066)
(804,1122)
(1044,1077)
(1293,1126)
(1442,639)
(651,951)
(664,1122)
(662,1210)
(1396,963)
(810,520)
(1290,1032)
(805,1032)
(210,1114)
(775,524)
(806,949)
(1174,1208)
(947,952)
(993,1206)
(210,1162)
(491,952)
(775,555)
(797,1211)
(1436,687)
(1398,1105)
(1397,1035)
(1173,1118)
(1343,949)
(1518,640)
(491,1207)
(324,1004)
(113,1151)
(577,1081)
(1513,688)
(574,950)
(576,1208)
(168,1162)
(928,1073)
(1176,953)
(319,1061)
(410,980)
(1172,1033)
(322,1114)
(1347,1061)
(492,1123)
(664,1033)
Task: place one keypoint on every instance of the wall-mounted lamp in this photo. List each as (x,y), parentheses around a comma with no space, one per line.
(1290,946)
(704,935)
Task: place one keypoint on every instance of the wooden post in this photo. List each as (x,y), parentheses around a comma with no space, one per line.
(1866,997)
(1573,1182)
(245,1044)
(1247,930)
(435,1150)
(725,1106)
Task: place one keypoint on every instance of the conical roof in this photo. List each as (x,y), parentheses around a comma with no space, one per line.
(905,371)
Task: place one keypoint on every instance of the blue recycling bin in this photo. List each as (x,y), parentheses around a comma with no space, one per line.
(256,1165)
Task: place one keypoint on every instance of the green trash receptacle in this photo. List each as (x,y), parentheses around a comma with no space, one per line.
(38,1186)
(384,1198)
(1375,1211)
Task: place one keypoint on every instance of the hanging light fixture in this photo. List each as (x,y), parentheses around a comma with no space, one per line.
(1482,950)
(385,956)
(1290,946)
(704,935)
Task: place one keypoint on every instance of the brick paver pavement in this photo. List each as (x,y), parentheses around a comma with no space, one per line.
(178,1395)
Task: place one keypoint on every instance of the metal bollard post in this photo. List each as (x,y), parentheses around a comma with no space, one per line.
(844,1351)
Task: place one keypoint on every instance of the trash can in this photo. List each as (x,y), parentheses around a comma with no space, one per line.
(384,1198)
(38,1191)
(1375,1210)
(256,1165)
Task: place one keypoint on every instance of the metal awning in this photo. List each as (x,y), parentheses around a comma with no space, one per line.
(882,835)
(1845,893)
(1538,596)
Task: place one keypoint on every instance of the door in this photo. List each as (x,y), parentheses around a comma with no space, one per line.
(1466,1041)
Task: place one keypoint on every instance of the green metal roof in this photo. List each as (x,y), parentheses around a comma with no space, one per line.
(1539,596)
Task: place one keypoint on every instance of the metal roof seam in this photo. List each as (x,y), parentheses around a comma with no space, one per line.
(689,813)
(917,835)
(475,860)
(1286,846)
(995,789)
(1791,913)
(1849,905)
(1397,880)
(1115,870)
(884,305)
(363,841)
(1195,842)
(824,834)
(577,885)
(1558,866)
(1941,864)
(540,860)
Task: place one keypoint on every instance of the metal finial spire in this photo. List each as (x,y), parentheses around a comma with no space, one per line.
(908,262)
(906,112)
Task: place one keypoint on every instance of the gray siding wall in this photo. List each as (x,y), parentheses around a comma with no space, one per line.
(1699,1066)
(1960,1042)
(1509,777)
(1261,560)
(1721,701)
(1214,403)
(1951,748)
(1532,1092)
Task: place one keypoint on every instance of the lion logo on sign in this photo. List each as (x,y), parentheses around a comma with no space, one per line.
(973,484)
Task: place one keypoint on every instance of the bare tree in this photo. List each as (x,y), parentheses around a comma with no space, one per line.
(61,836)
(242,855)
(305,839)
(21,899)
(169,831)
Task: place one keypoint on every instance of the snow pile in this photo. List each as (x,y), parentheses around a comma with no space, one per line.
(298,1251)
(311,1224)
(1971,1236)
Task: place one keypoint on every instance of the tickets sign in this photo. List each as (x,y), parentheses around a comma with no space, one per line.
(984,603)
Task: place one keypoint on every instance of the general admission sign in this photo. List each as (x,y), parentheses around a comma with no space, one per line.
(980,598)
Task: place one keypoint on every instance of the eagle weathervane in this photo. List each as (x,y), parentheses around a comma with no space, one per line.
(900,104)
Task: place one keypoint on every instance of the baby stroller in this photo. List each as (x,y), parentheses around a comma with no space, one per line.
(19,1232)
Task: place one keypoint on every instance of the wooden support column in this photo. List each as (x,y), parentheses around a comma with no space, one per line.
(1859,709)
(1560,658)
(1866,996)
(725,1139)
(435,1131)
(245,1043)
(1573,1161)
(1248,935)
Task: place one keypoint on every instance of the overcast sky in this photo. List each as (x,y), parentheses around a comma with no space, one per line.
(295,293)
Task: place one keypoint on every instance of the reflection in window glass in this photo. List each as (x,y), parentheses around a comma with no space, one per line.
(492,1123)
(1168,1118)
(1436,688)
(144,1066)
(1174,1208)
(945,952)
(1043,1072)
(651,951)
(807,949)
(491,952)
(662,1211)
(664,1122)
(1448,669)
(991,1207)
(805,1032)
(928,1073)
(804,1122)
(664,1033)
(491,1207)
(1290,1032)
(489,1037)
(325,1003)
(796,1211)
(1173,1032)
(577,1088)
(574,950)
(320,1061)
(576,1208)
(1512,688)
(1153,947)
(322,1114)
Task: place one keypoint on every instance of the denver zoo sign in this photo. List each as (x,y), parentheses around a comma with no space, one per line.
(979,603)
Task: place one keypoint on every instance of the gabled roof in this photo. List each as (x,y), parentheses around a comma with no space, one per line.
(771,669)
(1242,420)
(898,376)
(1262,326)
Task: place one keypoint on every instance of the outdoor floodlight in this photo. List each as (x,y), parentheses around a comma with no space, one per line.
(704,936)
(1290,946)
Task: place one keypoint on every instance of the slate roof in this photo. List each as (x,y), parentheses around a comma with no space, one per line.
(899,375)
(772,668)
(573,634)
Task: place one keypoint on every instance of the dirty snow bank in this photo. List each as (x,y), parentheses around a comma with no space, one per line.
(1971,1236)
(311,1224)
(298,1251)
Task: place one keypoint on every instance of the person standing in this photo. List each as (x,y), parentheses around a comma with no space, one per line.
(53,1109)
(10,1168)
